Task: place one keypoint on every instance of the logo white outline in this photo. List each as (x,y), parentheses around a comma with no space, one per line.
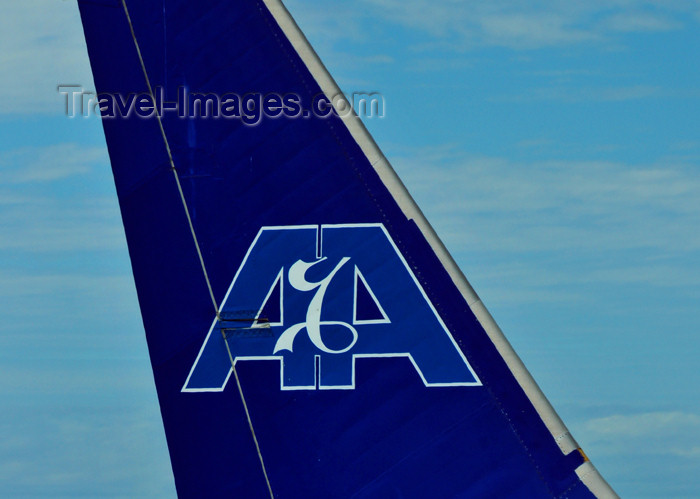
(317,381)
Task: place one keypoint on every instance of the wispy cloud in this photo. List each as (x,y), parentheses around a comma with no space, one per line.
(557,204)
(47,33)
(28,286)
(50,451)
(48,225)
(660,451)
(612,222)
(39,213)
(50,35)
(46,164)
(580,93)
(661,433)
(531,30)
(646,424)
(510,23)
(627,93)
(632,22)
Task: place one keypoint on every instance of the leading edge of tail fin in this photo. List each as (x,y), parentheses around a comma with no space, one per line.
(310,335)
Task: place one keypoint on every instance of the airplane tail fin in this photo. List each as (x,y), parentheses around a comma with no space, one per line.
(310,335)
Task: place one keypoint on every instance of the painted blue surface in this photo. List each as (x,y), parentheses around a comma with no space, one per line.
(390,436)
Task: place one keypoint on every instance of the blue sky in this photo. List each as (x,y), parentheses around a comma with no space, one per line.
(554,145)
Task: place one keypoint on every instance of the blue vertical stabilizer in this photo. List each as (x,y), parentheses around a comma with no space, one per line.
(310,336)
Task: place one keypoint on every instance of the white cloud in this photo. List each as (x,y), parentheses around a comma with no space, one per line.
(555,204)
(531,30)
(46,164)
(645,424)
(50,451)
(649,454)
(50,224)
(691,452)
(41,215)
(546,226)
(42,46)
(29,287)
(627,93)
(68,303)
(674,434)
(508,23)
(641,22)
(568,93)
